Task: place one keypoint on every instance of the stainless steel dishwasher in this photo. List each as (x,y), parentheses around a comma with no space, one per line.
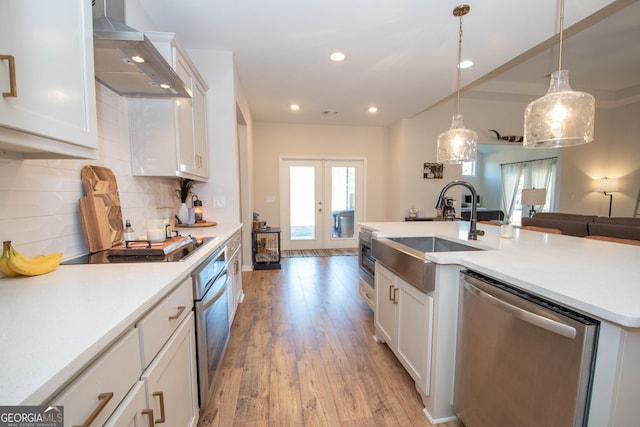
(521,360)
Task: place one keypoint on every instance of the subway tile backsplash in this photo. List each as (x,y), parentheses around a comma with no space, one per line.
(39,198)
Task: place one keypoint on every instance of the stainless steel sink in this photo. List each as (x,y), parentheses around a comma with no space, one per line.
(406,257)
(432,244)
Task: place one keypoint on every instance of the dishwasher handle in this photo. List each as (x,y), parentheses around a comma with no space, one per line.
(531,318)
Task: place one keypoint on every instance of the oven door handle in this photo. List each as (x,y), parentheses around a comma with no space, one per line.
(210,301)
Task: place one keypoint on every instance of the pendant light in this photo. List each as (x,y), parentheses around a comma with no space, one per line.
(458,144)
(563,117)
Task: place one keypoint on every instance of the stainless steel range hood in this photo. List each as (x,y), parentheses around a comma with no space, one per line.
(118,52)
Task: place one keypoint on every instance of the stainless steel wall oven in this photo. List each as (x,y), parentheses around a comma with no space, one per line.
(210,282)
(367,263)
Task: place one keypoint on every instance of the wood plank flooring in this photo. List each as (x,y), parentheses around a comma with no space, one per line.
(301,353)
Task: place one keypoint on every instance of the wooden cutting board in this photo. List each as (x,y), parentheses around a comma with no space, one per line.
(155,249)
(100,209)
(95,223)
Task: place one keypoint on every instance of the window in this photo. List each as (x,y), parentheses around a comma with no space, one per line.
(469,168)
(529,174)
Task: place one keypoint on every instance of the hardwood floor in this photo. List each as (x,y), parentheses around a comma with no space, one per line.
(301,353)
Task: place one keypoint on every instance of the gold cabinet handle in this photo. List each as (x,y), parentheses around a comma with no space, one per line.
(236,267)
(13,91)
(180,310)
(395,294)
(390,292)
(161,396)
(149,413)
(104,398)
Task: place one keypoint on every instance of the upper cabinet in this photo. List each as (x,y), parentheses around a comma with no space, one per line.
(169,136)
(48,103)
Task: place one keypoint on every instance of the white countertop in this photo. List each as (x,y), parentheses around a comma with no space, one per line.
(599,278)
(55,324)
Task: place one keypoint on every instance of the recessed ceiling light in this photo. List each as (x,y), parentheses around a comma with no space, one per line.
(466,64)
(137,59)
(373,110)
(165,86)
(337,56)
(295,107)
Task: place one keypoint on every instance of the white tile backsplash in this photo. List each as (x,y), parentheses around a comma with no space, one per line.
(39,198)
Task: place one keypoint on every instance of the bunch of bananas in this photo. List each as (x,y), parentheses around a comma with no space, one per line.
(12,263)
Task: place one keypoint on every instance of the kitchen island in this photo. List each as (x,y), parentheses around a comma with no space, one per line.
(55,325)
(601,280)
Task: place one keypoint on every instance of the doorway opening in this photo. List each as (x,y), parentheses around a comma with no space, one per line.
(321,201)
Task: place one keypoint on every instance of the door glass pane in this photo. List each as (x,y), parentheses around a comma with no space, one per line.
(343,196)
(302,201)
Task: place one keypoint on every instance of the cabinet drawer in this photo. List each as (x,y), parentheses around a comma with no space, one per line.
(158,325)
(367,294)
(233,244)
(130,412)
(99,389)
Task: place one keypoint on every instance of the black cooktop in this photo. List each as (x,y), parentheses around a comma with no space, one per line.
(179,254)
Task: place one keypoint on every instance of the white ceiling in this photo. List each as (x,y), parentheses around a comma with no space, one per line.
(401,54)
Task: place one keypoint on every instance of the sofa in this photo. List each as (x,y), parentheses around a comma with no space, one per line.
(586,225)
(620,228)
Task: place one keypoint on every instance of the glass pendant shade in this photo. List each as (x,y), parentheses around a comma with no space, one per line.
(458,144)
(561,118)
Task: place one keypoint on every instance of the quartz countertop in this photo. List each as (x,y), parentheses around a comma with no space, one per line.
(601,279)
(54,325)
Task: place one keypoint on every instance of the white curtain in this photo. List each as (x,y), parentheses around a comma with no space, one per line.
(540,173)
(510,178)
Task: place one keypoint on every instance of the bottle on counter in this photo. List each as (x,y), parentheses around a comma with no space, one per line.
(128,231)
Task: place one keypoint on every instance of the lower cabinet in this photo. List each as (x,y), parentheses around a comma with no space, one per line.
(95,394)
(171,380)
(133,411)
(148,377)
(404,320)
(386,314)
(415,332)
(234,245)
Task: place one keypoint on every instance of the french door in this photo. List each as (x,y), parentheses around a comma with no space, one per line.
(321,202)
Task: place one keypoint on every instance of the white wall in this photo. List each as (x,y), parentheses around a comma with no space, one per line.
(39,198)
(273,140)
(615,153)
(217,70)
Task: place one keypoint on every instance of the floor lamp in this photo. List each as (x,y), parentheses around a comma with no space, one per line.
(606,186)
(534,197)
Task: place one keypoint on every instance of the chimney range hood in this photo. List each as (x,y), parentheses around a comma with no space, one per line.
(126,61)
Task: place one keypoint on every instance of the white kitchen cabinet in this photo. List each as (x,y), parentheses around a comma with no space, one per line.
(96,393)
(149,372)
(386,314)
(415,331)
(235,274)
(52,113)
(133,411)
(171,379)
(169,136)
(403,319)
(157,326)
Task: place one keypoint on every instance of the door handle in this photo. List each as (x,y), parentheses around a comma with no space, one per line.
(104,398)
(13,88)
(160,394)
(180,310)
(149,413)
